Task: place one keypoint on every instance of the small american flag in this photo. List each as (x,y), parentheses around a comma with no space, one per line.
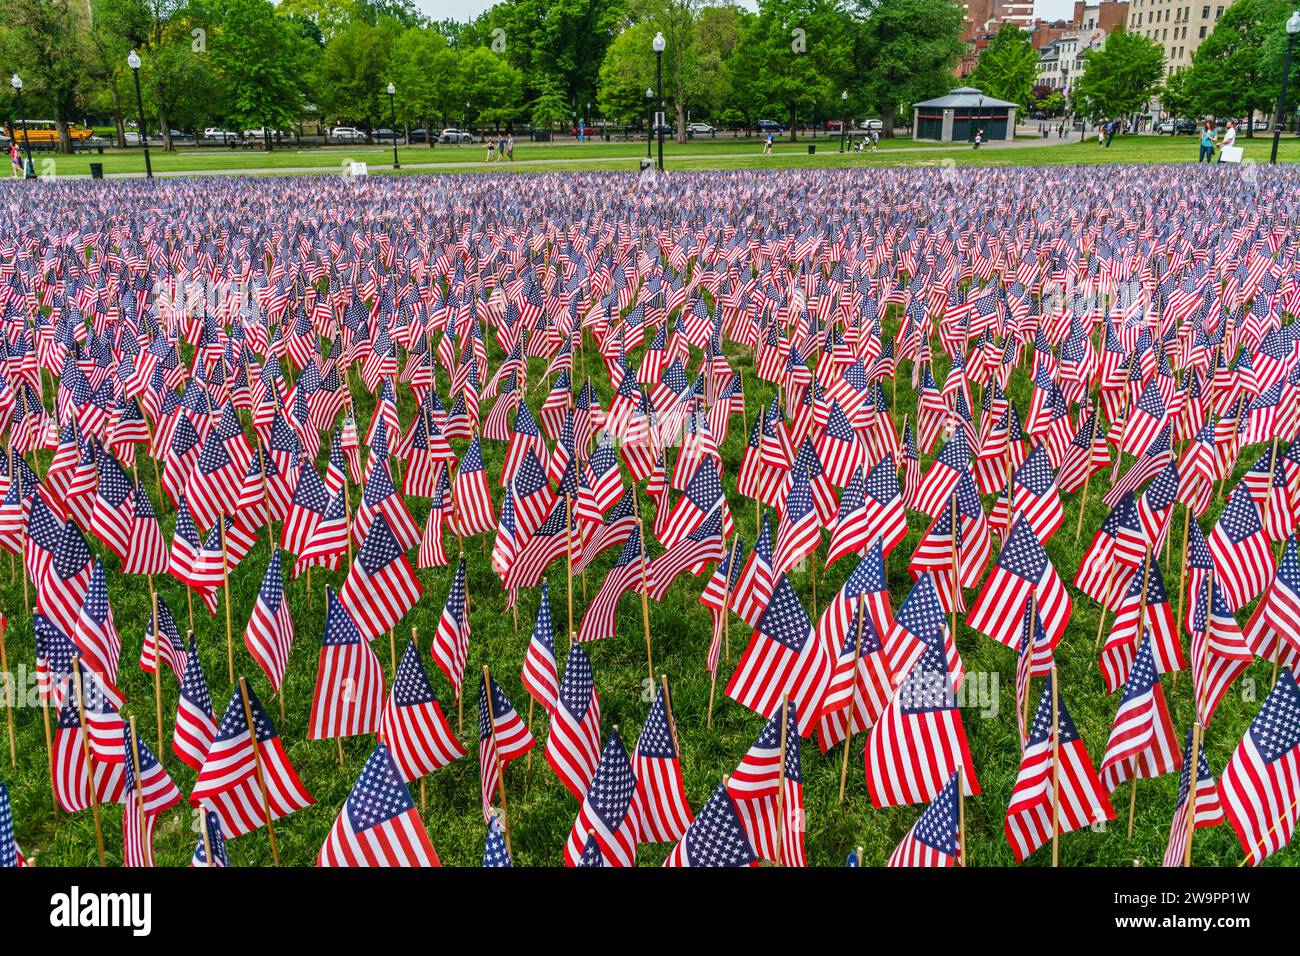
(573,744)
(662,810)
(934,839)
(269,636)
(715,838)
(1204,805)
(413,725)
(502,738)
(349,679)
(608,813)
(379,824)
(382,586)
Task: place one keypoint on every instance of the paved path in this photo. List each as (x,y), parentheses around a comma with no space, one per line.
(631,161)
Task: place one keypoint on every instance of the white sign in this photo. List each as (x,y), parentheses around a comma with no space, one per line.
(1230,154)
(359,169)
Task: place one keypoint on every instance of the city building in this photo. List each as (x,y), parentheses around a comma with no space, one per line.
(1178,26)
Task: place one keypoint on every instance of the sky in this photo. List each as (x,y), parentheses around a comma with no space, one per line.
(467,9)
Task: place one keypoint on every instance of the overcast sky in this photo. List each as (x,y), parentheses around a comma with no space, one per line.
(466,9)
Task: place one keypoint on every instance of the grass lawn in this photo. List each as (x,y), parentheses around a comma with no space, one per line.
(541,810)
(722,153)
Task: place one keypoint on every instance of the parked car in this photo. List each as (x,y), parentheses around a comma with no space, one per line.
(700,129)
(1185,127)
(261,132)
(421,136)
(455,136)
(834,125)
(668,129)
(347,134)
(385,135)
(870,124)
(1168,126)
(219,135)
(1260,124)
(94,143)
(770,126)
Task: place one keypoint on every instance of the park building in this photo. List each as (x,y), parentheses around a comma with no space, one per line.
(955,118)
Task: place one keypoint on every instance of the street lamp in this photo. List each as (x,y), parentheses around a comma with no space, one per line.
(844,121)
(1292,28)
(650,111)
(133,61)
(659,43)
(392,112)
(17,84)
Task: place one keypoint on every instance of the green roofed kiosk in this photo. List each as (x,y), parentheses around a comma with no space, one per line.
(955,118)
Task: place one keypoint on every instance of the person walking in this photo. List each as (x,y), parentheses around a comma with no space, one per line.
(875,139)
(15,159)
(1207,144)
(1111,128)
(979,137)
(767,145)
(510,148)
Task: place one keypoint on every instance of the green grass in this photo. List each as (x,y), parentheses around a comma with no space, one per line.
(541,810)
(722,153)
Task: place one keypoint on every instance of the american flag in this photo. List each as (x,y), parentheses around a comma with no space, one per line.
(149,791)
(539,674)
(1219,651)
(716,837)
(609,812)
(630,572)
(71,774)
(573,744)
(1273,631)
(496,854)
(146,551)
(1056,780)
(349,693)
(920,741)
(243,761)
(61,590)
(412,724)
(196,725)
(473,499)
(211,843)
(839,447)
(382,586)
(852,527)
(379,824)
(1243,559)
(662,810)
(768,788)
(1022,569)
(10,855)
(451,641)
(1260,787)
(502,737)
(96,636)
(703,496)
(1142,742)
(753,590)
(269,636)
(934,839)
(310,500)
(784,658)
(1205,807)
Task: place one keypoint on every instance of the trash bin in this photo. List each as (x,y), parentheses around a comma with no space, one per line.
(812,148)
(646,164)
(96,170)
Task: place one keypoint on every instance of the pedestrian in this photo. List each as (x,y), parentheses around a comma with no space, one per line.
(501,149)
(767,145)
(1229,138)
(979,137)
(1207,144)
(875,139)
(488,143)
(15,159)
(1111,127)
(510,148)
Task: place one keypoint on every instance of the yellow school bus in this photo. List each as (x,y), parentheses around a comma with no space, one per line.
(44,134)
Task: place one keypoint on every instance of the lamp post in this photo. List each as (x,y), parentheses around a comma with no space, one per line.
(392,113)
(659,43)
(650,113)
(844,120)
(1292,28)
(133,61)
(17,84)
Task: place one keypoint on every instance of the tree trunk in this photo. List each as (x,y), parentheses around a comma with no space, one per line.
(793,115)
(428,131)
(165,130)
(887,124)
(681,123)
(1250,124)
(65,141)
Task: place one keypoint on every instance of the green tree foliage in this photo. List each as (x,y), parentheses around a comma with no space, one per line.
(904,51)
(1119,78)
(1238,68)
(490,86)
(424,70)
(46,43)
(355,71)
(1175,96)
(1007,67)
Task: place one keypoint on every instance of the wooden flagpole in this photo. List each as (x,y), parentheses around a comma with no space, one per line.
(49,744)
(89,760)
(21,499)
(1197,731)
(955,585)
(207,836)
(501,767)
(257,766)
(568,546)
(668,713)
(1142,623)
(853,699)
(1087,477)
(961,818)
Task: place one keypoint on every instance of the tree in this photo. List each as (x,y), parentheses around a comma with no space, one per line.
(46,44)
(1175,96)
(626,73)
(550,107)
(904,51)
(425,71)
(1235,71)
(262,63)
(792,61)
(1007,67)
(1119,78)
(355,70)
(490,86)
